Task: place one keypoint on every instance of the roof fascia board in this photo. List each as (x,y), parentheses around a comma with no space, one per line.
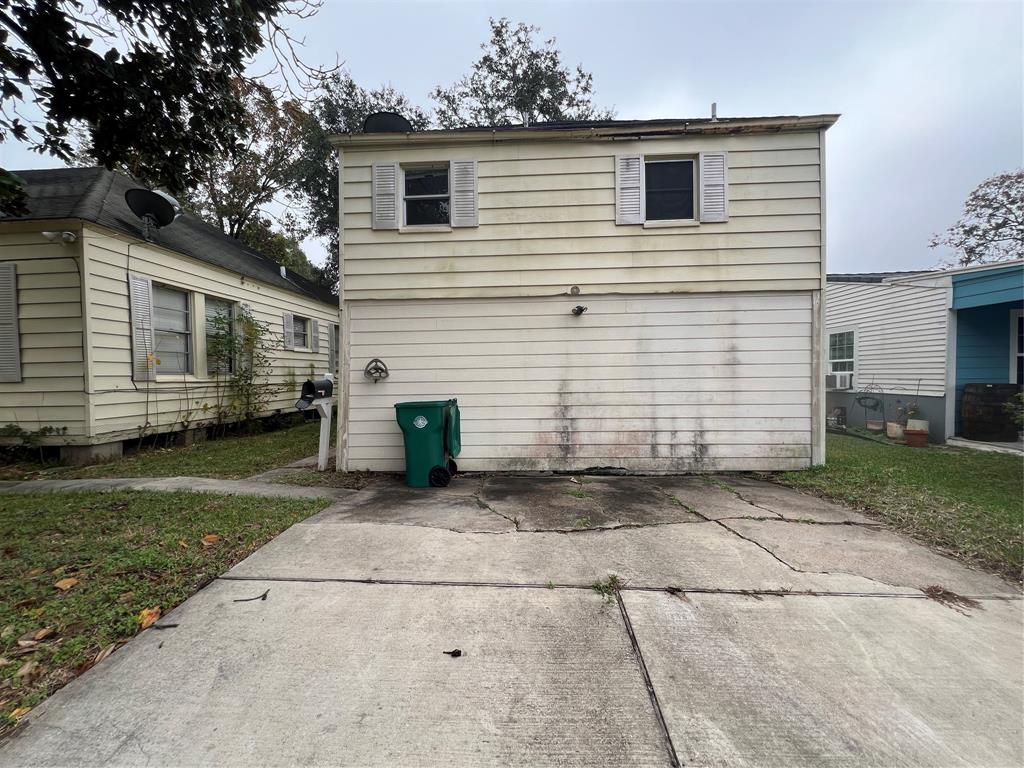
(638,131)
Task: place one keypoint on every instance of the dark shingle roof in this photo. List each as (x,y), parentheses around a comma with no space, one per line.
(97,195)
(874,277)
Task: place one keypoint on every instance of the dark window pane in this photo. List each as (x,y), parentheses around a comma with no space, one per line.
(429,181)
(669,188)
(1020,369)
(426,212)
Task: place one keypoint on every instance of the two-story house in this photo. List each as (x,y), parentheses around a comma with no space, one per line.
(645,295)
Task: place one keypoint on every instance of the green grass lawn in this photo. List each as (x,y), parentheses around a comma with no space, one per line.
(229,457)
(126,552)
(969,503)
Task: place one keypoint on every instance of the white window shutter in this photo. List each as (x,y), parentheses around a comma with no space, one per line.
(314,336)
(464,193)
(385,195)
(629,189)
(714,186)
(332,347)
(10,341)
(288,324)
(140,301)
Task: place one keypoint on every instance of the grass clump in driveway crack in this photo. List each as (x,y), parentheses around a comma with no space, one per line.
(607,587)
(966,502)
(80,573)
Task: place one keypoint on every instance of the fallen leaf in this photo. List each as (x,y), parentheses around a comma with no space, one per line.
(34,636)
(5,662)
(35,572)
(59,569)
(20,712)
(27,669)
(65,584)
(210,539)
(183,544)
(104,653)
(148,616)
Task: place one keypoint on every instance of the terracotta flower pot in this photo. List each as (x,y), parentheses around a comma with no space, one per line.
(916,438)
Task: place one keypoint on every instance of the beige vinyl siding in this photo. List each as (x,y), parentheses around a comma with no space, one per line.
(121,406)
(900,333)
(51,392)
(547,222)
(648,382)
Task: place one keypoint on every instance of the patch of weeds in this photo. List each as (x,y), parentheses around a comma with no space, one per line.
(718,483)
(608,587)
(579,493)
(949,598)
(582,522)
(551,585)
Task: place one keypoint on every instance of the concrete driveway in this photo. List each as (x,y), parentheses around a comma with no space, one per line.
(754,626)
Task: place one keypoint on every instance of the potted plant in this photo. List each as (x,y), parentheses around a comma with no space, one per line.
(894,427)
(916,431)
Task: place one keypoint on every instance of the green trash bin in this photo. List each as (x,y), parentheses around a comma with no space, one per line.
(431,430)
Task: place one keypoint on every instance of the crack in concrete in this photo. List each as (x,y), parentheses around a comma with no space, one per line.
(671,589)
(651,691)
(484,505)
(770,552)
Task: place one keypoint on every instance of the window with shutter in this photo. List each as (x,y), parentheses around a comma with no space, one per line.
(385,195)
(714,186)
(288,330)
(426,195)
(10,340)
(464,193)
(629,199)
(140,302)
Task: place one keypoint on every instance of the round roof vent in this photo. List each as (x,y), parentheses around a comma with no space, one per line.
(386,122)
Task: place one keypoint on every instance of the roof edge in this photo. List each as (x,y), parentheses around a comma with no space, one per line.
(626,129)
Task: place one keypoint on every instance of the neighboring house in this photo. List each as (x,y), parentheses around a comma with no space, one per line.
(103,335)
(904,337)
(696,247)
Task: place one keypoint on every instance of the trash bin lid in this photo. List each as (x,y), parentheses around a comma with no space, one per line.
(424,404)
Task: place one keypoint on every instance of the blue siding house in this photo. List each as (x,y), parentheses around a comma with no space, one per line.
(899,337)
(988,305)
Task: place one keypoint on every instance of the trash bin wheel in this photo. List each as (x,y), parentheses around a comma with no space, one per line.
(453,467)
(440,477)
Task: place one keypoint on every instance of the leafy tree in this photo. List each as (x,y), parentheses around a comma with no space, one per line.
(992,225)
(283,247)
(340,105)
(518,80)
(156,78)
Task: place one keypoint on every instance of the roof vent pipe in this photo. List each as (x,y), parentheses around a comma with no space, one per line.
(714,111)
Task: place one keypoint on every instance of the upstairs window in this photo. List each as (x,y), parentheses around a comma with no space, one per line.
(427,196)
(668,189)
(172,330)
(840,352)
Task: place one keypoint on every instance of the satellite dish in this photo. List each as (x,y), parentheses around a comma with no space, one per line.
(386,122)
(156,209)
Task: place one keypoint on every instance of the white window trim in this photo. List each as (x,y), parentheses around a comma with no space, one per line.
(693,221)
(1015,314)
(309,331)
(191,300)
(403,227)
(856,351)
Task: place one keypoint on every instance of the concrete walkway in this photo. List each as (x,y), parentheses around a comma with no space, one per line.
(212,485)
(754,626)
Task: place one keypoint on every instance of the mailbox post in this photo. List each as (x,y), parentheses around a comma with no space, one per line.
(319,394)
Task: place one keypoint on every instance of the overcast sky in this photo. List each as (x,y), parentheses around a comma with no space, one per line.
(930,93)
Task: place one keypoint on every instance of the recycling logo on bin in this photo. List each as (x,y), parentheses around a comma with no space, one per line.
(420,422)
